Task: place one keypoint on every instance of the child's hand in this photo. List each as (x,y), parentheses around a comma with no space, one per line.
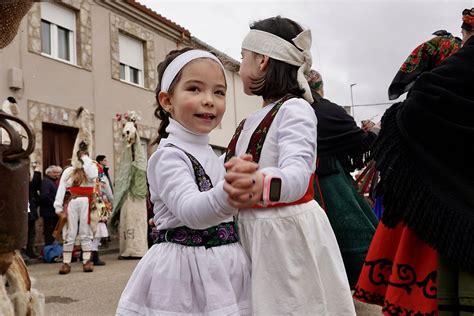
(240,176)
(244,190)
(242,164)
(240,168)
(242,183)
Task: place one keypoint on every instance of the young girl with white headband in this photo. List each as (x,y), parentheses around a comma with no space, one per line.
(297,268)
(196,265)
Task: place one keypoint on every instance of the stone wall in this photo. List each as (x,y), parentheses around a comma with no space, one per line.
(83,35)
(121,25)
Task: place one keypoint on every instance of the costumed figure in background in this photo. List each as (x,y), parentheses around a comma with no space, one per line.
(423,58)
(342,148)
(103,205)
(75,197)
(421,260)
(129,207)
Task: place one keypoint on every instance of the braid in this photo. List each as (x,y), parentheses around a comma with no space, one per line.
(164,116)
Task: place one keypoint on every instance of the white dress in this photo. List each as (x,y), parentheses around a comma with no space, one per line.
(173,279)
(297,268)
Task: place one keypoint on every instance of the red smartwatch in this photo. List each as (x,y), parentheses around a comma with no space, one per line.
(271,190)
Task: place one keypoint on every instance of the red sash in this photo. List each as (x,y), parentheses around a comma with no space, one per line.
(255,148)
(83,192)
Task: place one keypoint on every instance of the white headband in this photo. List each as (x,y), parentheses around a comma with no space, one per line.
(277,48)
(179,62)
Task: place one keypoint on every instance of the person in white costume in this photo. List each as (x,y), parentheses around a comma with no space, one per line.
(297,268)
(196,265)
(74,196)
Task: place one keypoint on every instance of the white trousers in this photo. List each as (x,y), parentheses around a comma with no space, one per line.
(77,226)
(96,243)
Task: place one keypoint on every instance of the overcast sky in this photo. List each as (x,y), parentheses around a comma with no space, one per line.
(362,42)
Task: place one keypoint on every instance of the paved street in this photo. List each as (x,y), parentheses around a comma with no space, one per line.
(97,293)
(80,293)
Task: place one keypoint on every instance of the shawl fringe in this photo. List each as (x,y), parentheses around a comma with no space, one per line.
(355,159)
(410,200)
(350,160)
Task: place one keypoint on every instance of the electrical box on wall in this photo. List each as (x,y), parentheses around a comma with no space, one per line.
(15,78)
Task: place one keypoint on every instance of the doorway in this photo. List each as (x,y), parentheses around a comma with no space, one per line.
(58,143)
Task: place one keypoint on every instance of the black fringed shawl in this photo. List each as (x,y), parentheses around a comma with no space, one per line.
(339,137)
(425,153)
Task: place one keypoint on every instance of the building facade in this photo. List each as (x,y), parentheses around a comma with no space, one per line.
(101,55)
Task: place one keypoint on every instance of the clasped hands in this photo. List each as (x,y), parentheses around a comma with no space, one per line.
(243,182)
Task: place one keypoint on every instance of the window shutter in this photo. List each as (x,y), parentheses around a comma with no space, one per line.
(58,15)
(131,51)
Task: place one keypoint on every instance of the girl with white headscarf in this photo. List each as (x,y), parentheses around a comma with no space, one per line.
(297,268)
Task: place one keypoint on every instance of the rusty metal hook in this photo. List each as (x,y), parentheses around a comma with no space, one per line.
(15,151)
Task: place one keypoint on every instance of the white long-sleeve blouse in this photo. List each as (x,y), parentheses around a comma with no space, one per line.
(173,189)
(289,151)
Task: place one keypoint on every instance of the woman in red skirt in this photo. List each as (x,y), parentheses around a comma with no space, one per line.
(425,241)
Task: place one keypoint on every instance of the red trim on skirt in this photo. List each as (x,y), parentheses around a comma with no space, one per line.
(399,273)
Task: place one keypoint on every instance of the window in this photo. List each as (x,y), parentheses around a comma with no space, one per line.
(46,37)
(131,60)
(58,26)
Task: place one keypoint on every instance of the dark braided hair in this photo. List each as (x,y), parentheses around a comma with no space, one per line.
(160,112)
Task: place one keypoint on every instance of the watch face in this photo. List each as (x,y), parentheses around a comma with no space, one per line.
(275,189)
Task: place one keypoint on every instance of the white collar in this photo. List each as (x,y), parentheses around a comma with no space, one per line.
(180,134)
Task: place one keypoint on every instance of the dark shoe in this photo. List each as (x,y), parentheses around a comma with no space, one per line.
(88,266)
(96,260)
(65,268)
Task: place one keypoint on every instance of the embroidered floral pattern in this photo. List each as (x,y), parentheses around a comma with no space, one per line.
(395,310)
(382,269)
(202,179)
(388,308)
(230,152)
(439,47)
(222,234)
(380,273)
(366,296)
(258,137)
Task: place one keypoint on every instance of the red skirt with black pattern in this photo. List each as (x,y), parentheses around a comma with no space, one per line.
(399,273)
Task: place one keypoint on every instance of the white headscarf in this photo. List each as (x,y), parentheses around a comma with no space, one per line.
(275,47)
